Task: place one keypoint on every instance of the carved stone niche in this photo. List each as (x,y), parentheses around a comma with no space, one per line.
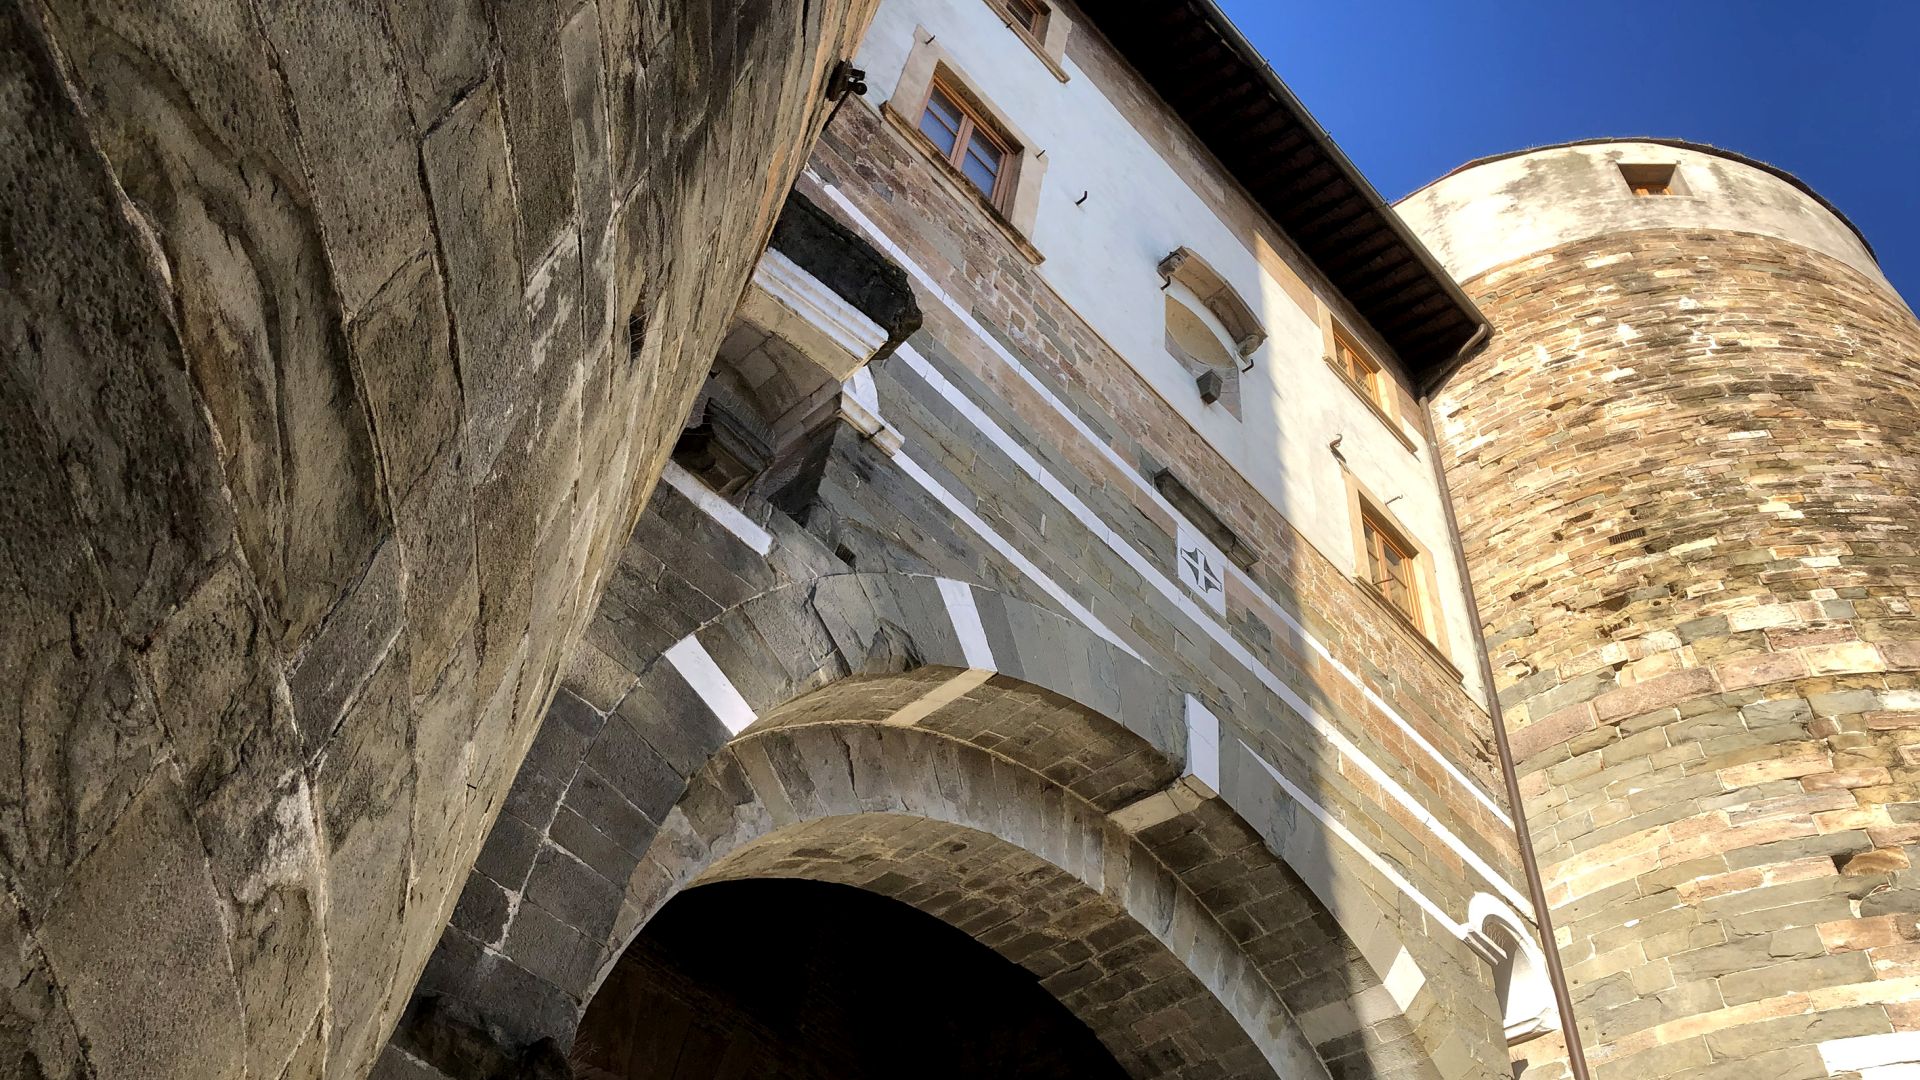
(1503,940)
(823,304)
(1242,325)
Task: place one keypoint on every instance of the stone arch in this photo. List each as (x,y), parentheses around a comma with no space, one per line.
(890,656)
(926,818)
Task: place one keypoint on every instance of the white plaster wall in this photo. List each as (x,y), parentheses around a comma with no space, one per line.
(1510,208)
(1101,258)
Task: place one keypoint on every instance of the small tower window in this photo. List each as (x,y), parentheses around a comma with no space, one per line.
(1647,180)
(1390,565)
(966,139)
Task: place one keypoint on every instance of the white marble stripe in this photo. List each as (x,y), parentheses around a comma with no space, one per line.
(1870,1051)
(1174,594)
(1012,554)
(1125,469)
(1203,743)
(965,615)
(1079,611)
(938,698)
(1346,835)
(690,659)
(715,506)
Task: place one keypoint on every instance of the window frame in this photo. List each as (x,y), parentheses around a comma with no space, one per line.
(1037,29)
(1369,382)
(1378,535)
(1653,179)
(1379,389)
(1426,624)
(1019,206)
(973,120)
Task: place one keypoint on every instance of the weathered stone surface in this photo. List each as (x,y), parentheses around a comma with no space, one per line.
(365,806)
(202,142)
(472,191)
(357,138)
(1706,555)
(36,1032)
(257,821)
(138,946)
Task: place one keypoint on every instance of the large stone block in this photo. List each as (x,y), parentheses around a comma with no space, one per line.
(139,948)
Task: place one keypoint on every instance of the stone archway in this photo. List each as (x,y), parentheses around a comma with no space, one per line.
(811,980)
(623,803)
(1052,880)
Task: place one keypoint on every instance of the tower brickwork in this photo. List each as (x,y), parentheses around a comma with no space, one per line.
(1687,473)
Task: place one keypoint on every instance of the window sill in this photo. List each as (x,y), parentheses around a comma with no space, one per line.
(1392,425)
(957,183)
(1413,630)
(1039,50)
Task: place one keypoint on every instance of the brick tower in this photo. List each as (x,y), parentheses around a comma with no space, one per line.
(1687,471)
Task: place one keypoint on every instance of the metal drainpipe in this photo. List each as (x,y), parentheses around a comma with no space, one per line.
(1523,837)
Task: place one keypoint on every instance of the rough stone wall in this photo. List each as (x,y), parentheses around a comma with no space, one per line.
(1686,469)
(342,343)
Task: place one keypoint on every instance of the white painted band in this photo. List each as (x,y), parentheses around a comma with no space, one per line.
(715,506)
(965,616)
(1346,835)
(1012,554)
(938,698)
(690,659)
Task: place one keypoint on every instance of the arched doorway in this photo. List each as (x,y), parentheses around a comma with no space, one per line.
(818,981)
(1033,868)
(983,761)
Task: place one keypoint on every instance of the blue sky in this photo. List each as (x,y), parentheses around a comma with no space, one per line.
(1411,88)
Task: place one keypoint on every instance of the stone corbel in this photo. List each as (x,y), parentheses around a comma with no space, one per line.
(796,306)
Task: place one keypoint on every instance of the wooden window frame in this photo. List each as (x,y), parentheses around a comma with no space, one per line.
(973,119)
(1037,30)
(1426,623)
(1377,388)
(1369,382)
(1019,198)
(1377,536)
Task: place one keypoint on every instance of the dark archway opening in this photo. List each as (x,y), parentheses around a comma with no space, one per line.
(807,980)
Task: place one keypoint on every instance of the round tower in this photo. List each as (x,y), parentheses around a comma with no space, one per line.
(1687,472)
